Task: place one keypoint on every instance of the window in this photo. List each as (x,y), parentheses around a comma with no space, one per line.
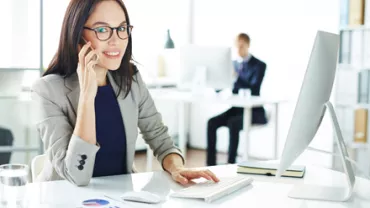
(21,39)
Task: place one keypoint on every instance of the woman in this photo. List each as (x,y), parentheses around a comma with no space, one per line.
(93,99)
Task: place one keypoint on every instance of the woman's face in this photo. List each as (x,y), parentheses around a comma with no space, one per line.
(107,14)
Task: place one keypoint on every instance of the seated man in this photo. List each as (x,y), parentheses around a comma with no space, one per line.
(250,72)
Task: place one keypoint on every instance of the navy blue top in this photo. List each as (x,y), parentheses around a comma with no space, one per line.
(110,134)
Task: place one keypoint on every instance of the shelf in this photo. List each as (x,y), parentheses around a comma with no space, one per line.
(359,105)
(357,27)
(357,145)
(350,67)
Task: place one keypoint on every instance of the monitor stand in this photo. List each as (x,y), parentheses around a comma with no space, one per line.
(199,80)
(327,193)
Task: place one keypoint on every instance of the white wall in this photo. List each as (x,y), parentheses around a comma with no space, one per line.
(20,40)
(20,36)
(282,33)
(151,19)
(53,18)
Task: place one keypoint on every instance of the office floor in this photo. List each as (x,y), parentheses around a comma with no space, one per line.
(194,158)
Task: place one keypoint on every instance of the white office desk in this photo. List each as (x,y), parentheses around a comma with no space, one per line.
(265,191)
(187,97)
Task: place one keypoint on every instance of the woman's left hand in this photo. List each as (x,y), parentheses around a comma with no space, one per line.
(184,175)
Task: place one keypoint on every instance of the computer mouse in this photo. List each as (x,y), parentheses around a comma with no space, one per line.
(141,196)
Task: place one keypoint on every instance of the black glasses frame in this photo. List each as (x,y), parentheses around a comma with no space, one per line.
(111,31)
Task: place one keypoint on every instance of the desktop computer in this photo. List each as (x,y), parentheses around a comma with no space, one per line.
(205,67)
(312,103)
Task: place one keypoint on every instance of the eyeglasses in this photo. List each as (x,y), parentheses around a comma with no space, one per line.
(105,32)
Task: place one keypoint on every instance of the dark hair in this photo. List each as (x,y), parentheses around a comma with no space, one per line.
(65,60)
(244,37)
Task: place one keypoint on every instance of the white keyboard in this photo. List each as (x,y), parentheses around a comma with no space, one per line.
(210,191)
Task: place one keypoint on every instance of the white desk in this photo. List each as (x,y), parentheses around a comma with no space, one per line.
(265,192)
(186,97)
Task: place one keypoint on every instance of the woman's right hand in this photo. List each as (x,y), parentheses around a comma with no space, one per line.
(86,73)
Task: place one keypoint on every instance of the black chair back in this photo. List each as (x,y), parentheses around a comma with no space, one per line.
(6,139)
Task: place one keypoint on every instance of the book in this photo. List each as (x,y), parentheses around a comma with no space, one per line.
(345,47)
(363,87)
(357,48)
(366,45)
(262,168)
(356,12)
(361,115)
(367,12)
(344,10)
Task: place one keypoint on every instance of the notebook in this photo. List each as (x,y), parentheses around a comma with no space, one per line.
(263,168)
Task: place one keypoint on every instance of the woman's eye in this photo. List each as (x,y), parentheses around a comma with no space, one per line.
(122,29)
(101,29)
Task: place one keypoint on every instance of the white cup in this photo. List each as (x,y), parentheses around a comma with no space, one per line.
(13,181)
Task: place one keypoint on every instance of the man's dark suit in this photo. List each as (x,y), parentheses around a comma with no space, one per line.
(250,76)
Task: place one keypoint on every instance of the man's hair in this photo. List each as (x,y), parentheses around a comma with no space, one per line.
(244,37)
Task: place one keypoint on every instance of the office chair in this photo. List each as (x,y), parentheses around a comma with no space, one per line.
(223,133)
(37,165)
(6,139)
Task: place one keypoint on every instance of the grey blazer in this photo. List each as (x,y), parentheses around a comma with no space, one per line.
(57,99)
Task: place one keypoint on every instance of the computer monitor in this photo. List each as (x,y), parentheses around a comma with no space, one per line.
(205,66)
(312,102)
